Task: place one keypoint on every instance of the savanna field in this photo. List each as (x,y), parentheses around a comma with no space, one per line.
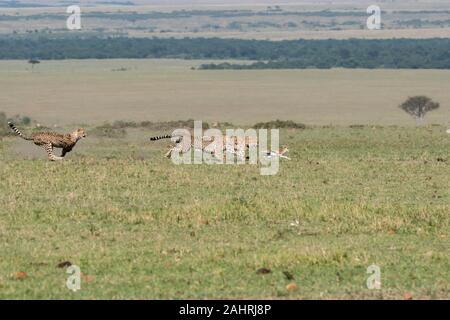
(141,227)
(358,90)
(364,186)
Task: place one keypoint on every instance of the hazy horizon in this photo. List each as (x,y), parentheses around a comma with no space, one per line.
(220,2)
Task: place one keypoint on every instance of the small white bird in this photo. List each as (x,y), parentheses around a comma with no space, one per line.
(448,131)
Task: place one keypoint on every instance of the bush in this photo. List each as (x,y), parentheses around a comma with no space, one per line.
(26,121)
(4,129)
(108,131)
(171,125)
(357,126)
(124,124)
(279,124)
(21,120)
(118,128)
(17,119)
(162,125)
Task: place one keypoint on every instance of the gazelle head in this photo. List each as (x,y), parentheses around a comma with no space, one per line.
(284,149)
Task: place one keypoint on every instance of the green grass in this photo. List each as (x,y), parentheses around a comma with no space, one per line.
(141,227)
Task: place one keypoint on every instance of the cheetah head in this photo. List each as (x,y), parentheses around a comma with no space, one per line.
(79,134)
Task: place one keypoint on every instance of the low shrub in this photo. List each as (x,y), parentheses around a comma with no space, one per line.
(4,130)
(279,124)
(108,131)
(17,119)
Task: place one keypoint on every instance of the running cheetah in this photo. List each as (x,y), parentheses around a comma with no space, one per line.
(50,140)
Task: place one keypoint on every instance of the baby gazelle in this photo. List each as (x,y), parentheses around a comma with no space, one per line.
(280,153)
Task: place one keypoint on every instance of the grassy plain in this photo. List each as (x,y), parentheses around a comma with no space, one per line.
(142,227)
(93,91)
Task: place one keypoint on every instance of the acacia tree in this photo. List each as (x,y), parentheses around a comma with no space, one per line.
(418,107)
(33,62)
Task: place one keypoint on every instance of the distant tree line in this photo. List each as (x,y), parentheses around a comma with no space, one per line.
(353,53)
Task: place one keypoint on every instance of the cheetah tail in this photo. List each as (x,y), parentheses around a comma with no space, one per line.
(167,136)
(17,131)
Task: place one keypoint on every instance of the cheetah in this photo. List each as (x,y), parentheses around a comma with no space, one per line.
(50,140)
(235,145)
(185,146)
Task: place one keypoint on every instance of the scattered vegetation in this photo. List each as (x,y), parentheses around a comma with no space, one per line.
(108,131)
(279,124)
(118,129)
(180,14)
(166,125)
(17,119)
(108,21)
(3,124)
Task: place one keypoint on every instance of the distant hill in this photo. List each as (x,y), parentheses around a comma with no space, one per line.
(47,3)
(44,3)
(20,4)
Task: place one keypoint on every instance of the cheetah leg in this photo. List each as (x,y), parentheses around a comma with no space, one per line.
(172,149)
(240,154)
(180,148)
(209,155)
(49,149)
(169,153)
(210,151)
(65,151)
